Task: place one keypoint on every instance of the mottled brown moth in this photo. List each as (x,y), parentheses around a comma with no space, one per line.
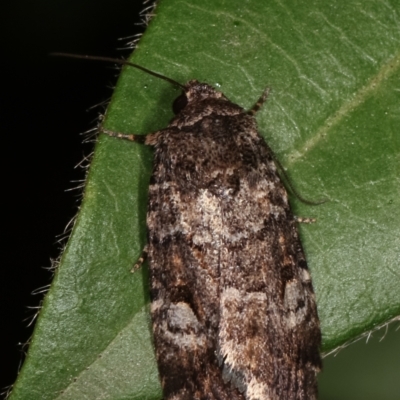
(232,304)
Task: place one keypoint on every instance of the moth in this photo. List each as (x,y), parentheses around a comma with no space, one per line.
(233,309)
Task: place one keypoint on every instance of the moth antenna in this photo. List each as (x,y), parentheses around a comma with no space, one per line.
(121,62)
(292,189)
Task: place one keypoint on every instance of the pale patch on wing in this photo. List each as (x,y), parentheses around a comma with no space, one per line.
(257,390)
(182,327)
(295,303)
(235,308)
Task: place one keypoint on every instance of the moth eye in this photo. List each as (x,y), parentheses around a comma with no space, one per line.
(179,103)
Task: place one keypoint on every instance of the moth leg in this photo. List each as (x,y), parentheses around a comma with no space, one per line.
(140,260)
(253,110)
(304,220)
(119,135)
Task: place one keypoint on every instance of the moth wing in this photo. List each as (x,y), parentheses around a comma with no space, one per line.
(269,330)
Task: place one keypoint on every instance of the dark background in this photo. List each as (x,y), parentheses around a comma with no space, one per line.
(44,108)
(45,105)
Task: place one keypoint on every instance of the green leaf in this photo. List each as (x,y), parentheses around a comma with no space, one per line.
(332,118)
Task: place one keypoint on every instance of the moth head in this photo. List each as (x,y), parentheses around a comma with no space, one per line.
(195,91)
